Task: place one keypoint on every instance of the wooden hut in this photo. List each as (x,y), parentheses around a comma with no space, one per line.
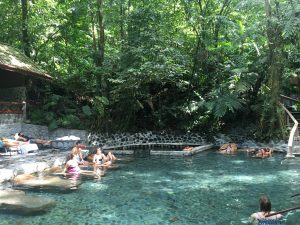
(15,69)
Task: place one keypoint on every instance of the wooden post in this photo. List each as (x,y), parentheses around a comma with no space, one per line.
(24,110)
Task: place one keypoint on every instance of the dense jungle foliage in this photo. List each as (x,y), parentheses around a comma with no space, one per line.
(180,65)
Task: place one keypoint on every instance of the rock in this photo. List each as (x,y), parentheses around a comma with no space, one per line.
(46,182)
(18,202)
(5,175)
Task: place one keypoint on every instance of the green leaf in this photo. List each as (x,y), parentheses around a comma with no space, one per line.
(86,110)
(53,125)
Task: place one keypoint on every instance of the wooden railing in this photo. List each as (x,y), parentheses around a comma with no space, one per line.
(287,101)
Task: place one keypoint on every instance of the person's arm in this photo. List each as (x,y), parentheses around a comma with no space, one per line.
(94,158)
(22,139)
(80,154)
(253,217)
(66,167)
(104,158)
(113,157)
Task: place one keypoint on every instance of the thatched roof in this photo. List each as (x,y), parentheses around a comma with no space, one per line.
(13,60)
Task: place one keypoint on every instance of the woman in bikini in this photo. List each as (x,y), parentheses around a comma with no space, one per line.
(99,158)
(99,161)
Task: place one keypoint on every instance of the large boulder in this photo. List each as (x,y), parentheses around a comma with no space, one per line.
(28,181)
(18,202)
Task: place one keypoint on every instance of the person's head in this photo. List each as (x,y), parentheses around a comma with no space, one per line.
(78,143)
(20,134)
(70,156)
(99,151)
(265,204)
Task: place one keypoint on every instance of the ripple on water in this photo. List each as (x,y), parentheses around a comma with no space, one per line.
(205,189)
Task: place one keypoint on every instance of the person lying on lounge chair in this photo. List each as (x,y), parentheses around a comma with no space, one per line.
(21,137)
(8,143)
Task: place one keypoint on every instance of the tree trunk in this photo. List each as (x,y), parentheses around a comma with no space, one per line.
(95,49)
(122,15)
(25,36)
(101,38)
(271,113)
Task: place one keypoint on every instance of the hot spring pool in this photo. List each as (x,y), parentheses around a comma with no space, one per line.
(208,188)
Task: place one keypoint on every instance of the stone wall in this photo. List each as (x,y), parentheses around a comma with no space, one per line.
(11,118)
(124,139)
(38,131)
(9,130)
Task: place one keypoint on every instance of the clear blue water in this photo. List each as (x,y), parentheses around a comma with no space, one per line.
(208,188)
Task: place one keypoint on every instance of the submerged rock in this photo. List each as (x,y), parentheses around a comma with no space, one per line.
(18,202)
(28,181)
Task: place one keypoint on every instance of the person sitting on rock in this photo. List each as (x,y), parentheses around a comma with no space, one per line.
(77,152)
(110,157)
(99,158)
(228,148)
(188,148)
(99,162)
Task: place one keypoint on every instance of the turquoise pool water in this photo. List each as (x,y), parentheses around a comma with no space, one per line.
(208,188)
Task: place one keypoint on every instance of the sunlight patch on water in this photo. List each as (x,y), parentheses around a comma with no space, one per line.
(186,173)
(97,186)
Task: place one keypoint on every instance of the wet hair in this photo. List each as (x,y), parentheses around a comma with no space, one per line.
(70,156)
(265,204)
(78,142)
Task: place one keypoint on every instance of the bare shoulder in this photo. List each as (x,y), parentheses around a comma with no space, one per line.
(255,216)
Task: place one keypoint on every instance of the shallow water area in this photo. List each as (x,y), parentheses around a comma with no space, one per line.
(208,188)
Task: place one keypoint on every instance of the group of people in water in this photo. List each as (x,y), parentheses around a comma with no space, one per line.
(231,148)
(260,153)
(99,160)
(265,215)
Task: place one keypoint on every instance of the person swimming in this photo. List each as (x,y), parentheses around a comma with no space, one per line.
(265,210)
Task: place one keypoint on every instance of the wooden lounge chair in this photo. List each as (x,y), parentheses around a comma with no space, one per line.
(9,151)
